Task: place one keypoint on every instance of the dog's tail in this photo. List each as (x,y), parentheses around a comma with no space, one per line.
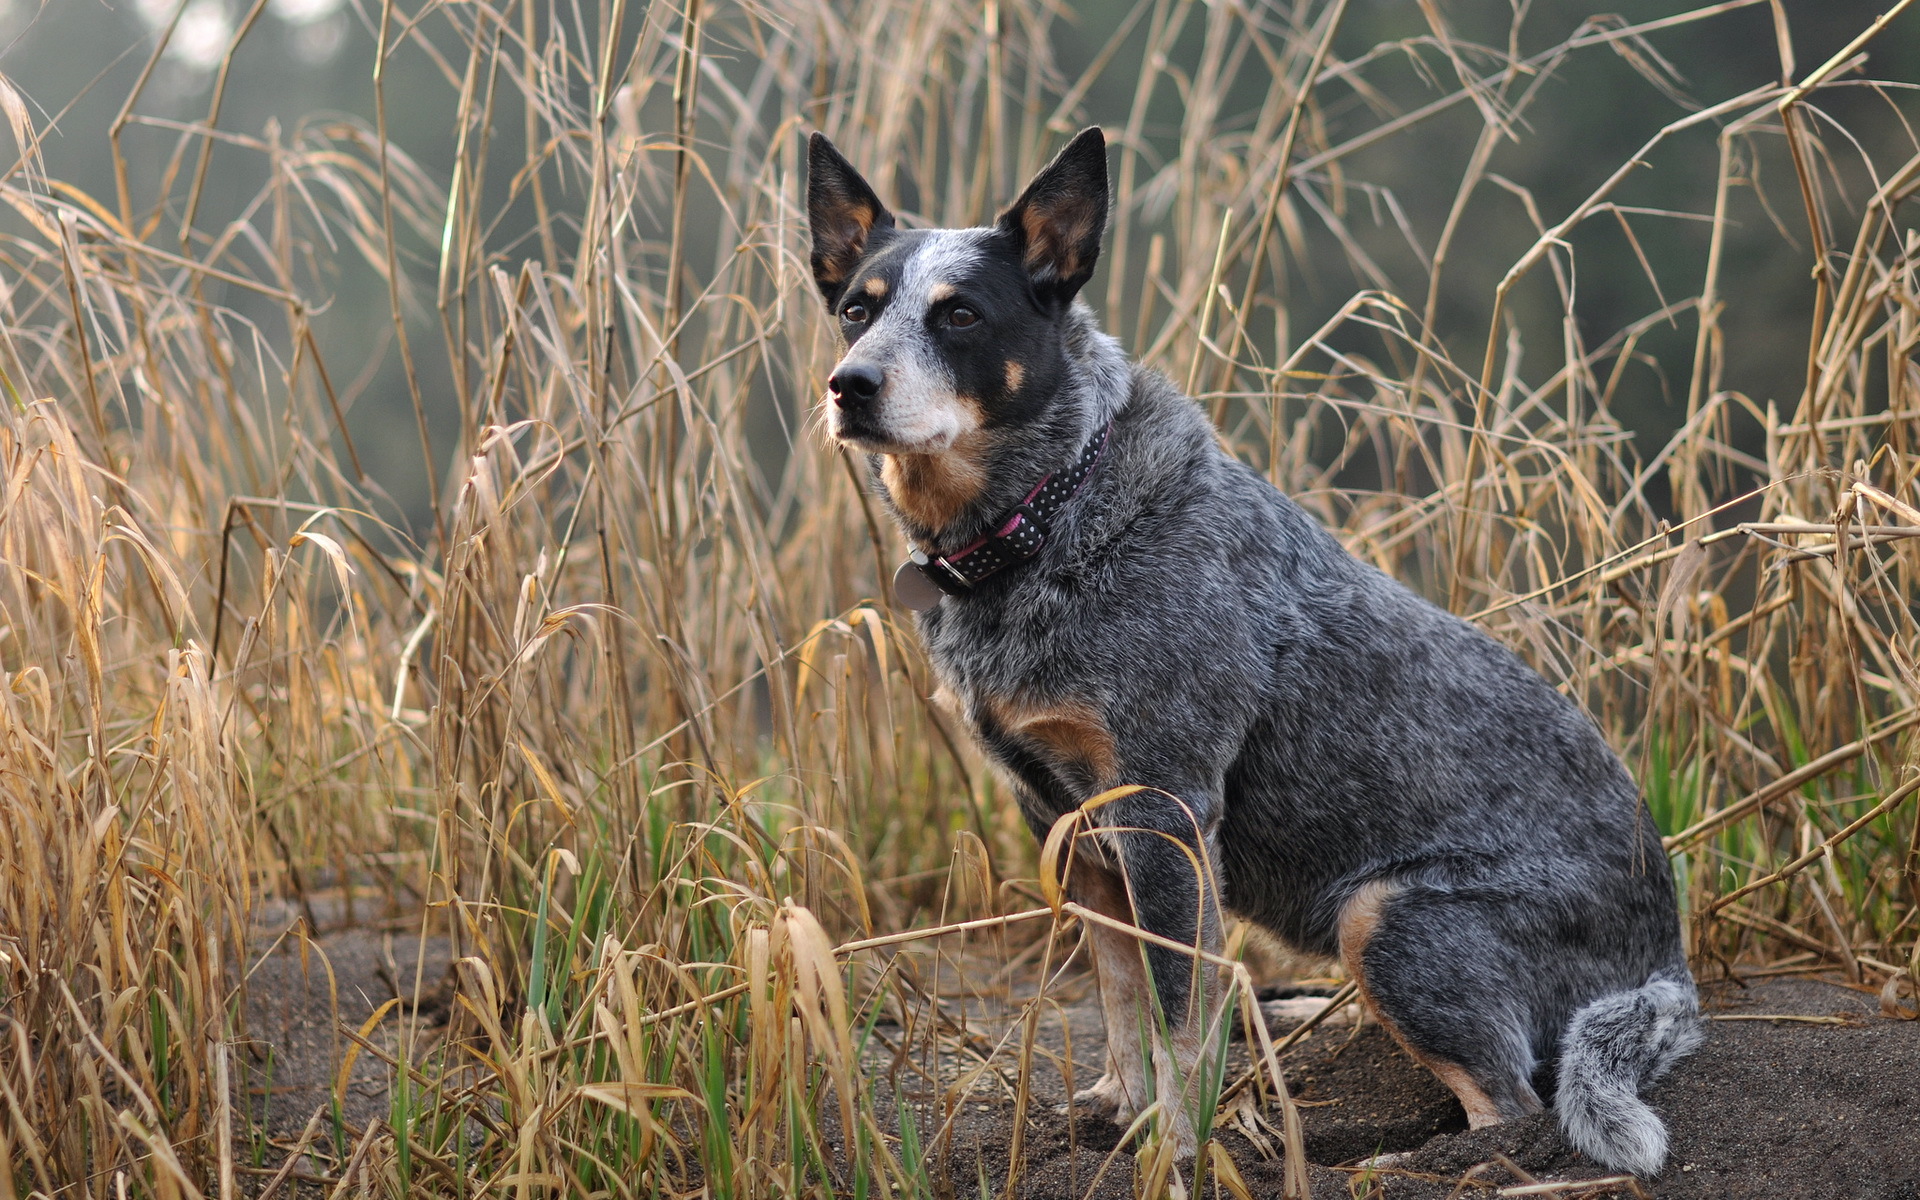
(1612,1047)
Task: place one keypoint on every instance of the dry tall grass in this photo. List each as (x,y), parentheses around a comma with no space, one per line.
(629,717)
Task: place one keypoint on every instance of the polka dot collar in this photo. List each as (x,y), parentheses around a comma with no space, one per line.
(1016,537)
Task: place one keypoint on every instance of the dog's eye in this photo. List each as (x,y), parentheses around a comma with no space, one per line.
(854,312)
(962,317)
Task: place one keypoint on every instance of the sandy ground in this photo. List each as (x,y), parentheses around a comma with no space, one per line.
(1827,1109)
(301,1010)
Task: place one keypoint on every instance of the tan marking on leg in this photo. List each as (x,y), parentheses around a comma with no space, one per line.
(1128,1004)
(1069,730)
(1016,375)
(876,287)
(1359,917)
(1122,977)
(939,292)
(1358,920)
(1176,1060)
(1480,1110)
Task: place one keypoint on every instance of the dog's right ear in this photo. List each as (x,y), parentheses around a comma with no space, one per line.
(842,212)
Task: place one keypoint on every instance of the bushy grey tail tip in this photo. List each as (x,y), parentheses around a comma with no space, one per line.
(1612,1047)
(1618,1131)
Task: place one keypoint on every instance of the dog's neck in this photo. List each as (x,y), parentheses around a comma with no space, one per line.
(942,501)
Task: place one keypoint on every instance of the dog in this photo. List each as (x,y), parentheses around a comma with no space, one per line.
(1110,598)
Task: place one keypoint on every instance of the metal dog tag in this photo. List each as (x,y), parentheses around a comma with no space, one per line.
(913,589)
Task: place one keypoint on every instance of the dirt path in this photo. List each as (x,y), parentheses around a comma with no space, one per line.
(1766,1108)
(299,1014)
(1827,1109)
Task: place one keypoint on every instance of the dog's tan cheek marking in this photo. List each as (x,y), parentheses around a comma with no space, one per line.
(934,489)
(1070,729)
(968,413)
(1016,375)
(1358,920)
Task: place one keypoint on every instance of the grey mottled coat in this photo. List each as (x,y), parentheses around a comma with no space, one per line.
(1358,771)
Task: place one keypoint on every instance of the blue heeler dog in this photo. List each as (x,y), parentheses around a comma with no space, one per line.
(1109,598)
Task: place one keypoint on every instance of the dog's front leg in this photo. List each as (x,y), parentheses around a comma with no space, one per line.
(1125,999)
(1165,866)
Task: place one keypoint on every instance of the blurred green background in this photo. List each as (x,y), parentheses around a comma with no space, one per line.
(304,63)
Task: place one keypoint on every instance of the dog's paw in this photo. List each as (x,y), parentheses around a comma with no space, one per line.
(1107,1098)
(1295,1009)
(1381,1162)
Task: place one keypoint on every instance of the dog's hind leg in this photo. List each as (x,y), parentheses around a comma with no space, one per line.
(1121,1092)
(1436,978)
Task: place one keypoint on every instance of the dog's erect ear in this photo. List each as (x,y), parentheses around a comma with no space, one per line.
(842,211)
(1059,220)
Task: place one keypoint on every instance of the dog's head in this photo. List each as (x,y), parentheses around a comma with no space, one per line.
(951,333)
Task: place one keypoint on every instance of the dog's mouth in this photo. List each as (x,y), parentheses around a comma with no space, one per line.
(863,434)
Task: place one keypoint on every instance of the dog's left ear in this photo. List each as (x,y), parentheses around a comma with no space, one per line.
(1059,220)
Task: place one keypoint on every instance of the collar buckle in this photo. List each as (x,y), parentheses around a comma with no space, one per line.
(941,573)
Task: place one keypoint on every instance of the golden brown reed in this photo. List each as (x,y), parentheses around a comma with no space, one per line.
(628,722)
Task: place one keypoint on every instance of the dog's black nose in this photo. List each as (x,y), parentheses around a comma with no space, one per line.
(855,383)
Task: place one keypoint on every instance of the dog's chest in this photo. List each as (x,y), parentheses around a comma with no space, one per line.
(982,647)
(1024,705)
